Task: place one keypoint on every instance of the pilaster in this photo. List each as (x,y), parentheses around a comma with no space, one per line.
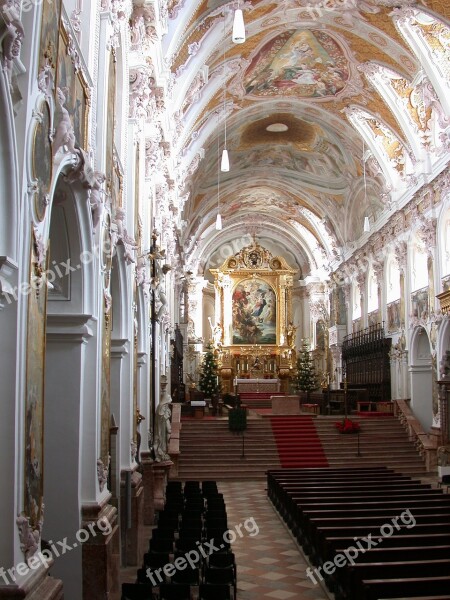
(100,554)
(132,518)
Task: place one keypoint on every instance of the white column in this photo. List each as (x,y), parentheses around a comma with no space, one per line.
(143,397)
(8,348)
(227,309)
(65,399)
(119,351)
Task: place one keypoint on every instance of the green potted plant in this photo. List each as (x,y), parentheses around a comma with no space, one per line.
(209,380)
(306,379)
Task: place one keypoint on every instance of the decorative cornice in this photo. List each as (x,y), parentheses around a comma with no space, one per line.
(411,216)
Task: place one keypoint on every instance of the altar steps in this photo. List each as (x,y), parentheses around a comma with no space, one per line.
(297,442)
(210,451)
(381,442)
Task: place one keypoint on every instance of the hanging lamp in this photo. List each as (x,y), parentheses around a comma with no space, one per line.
(366,218)
(238,35)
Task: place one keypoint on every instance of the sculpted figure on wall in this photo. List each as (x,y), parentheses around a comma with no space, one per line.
(163,427)
(64,135)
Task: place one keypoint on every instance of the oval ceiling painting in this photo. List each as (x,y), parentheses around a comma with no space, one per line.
(303,63)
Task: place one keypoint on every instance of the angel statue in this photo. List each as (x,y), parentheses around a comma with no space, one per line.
(290,334)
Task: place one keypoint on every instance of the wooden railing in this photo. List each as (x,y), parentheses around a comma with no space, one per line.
(426,445)
(174,442)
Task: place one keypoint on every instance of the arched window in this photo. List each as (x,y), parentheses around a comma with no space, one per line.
(419,273)
(392,281)
(372,298)
(356,302)
(444,245)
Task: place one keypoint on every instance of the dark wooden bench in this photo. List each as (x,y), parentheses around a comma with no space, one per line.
(305,512)
(279,492)
(400,569)
(292,510)
(331,511)
(340,543)
(374,589)
(318,544)
(313,527)
(381,556)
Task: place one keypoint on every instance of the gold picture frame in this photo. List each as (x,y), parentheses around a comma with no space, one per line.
(49,36)
(73,82)
(254,312)
(35,391)
(42,160)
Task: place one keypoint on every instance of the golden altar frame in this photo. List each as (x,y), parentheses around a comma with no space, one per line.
(253,332)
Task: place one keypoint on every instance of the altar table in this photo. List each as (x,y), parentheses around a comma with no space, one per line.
(258,385)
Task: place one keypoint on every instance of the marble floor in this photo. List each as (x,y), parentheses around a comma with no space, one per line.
(269,562)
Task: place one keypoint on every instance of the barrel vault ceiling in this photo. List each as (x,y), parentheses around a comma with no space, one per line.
(289,102)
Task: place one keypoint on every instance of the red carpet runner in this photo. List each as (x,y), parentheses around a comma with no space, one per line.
(297,442)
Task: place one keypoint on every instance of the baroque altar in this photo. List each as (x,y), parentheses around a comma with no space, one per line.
(254,337)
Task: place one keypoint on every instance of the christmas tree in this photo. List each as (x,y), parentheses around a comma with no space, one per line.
(208,381)
(306,378)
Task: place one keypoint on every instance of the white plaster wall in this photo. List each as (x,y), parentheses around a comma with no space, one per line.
(63,440)
(8,348)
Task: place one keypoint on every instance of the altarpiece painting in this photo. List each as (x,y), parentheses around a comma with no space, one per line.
(253,313)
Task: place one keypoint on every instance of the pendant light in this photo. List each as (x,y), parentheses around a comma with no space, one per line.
(219,217)
(366,218)
(238,35)
(225,162)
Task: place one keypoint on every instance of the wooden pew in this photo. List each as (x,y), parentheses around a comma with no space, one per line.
(319,543)
(391,509)
(340,543)
(374,589)
(393,570)
(279,492)
(341,577)
(293,509)
(314,527)
(332,511)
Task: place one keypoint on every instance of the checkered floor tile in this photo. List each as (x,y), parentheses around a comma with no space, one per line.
(270,564)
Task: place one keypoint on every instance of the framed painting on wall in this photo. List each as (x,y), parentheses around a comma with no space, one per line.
(106,381)
(110,119)
(254,313)
(419,303)
(34,392)
(42,160)
(48,47)
(75,88)
(393,316)
(373,318)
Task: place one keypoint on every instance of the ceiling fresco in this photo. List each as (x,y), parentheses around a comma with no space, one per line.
(327,107)
(302,63)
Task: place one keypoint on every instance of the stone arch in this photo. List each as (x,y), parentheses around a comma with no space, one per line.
(421,370)
(71,258)
(9,204)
